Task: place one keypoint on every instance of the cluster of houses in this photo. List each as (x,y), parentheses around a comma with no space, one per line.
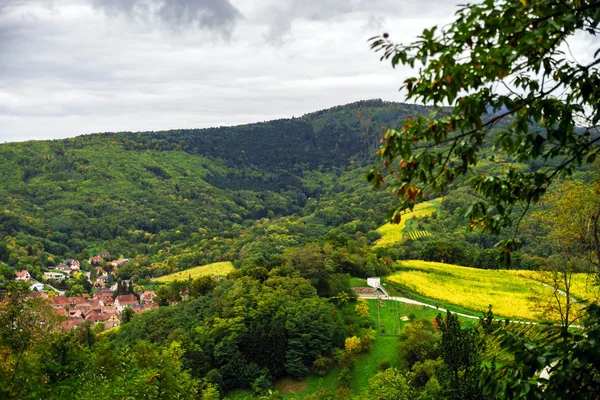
(101,308)
(66,269)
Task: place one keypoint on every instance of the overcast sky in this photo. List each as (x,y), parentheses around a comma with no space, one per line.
(74,67)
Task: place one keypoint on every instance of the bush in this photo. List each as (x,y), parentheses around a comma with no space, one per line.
(321,364)
(344,379)
(261,386)
(322,394)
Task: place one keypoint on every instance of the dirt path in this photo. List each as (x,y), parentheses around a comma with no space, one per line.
(443,310)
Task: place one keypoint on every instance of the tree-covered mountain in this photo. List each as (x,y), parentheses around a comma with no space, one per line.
(175,199)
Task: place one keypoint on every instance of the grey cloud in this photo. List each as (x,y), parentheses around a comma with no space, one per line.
(115,7)
(216,15)
(281,16)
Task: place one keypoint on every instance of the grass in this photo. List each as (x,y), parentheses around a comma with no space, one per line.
(394,233)
(509,293)
(219,268)
(358,282)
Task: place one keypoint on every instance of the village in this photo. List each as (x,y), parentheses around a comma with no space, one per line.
(105,304)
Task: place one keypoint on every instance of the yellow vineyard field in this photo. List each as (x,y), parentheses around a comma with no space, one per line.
(418,234)
(392,233)
(217,269)
(509,292)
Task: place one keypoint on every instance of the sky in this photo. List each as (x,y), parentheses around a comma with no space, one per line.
(72,67)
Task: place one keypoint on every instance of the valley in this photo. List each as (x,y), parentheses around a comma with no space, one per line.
(238,260)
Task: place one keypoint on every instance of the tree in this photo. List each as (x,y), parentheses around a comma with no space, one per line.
(202,285)
(571,219)
(362,308)
(502,68)
(388,385)
(459,348)
(127,314)
(25,322)
(570,360)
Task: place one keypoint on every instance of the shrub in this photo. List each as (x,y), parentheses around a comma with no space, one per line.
(261,386)
(344,379)
(321,364)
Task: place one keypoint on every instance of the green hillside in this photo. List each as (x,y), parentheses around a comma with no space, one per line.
(177,199)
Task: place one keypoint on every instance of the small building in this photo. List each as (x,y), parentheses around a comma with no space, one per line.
(125,300)
(74,264)
(95,260)
(112,321)
(104,296)
(22,276)
(59,276)
(374,282)
(119,262)
(63,268)
(60,302)
(148,297)
(37,286)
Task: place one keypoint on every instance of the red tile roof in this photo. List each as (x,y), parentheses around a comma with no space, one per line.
(127,299)
(60,301)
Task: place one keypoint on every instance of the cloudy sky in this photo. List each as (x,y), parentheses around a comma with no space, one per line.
(71,67)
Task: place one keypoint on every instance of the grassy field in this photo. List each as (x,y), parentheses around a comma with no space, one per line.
(393,233)
(219,268)
(509,293)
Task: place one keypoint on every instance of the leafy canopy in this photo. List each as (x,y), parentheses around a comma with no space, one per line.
(506,69)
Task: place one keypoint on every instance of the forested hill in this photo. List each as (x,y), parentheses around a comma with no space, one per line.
(175,199)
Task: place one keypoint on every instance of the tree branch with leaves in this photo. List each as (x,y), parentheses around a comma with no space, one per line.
(505,70)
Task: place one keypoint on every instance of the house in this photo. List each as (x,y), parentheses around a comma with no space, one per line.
(119,262)
(36,295)
(104,254)
(104,296)
(63,268)
(60,302)
(95,304)
(125,300)
(22,276)
(74,264)
(148,297)
(59,276)
(38,287)
(61,311)
(73,323)
(95,316)
(374,282)
(95,260)
(101,272)
(112,321)
(75,300)
(99,283)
